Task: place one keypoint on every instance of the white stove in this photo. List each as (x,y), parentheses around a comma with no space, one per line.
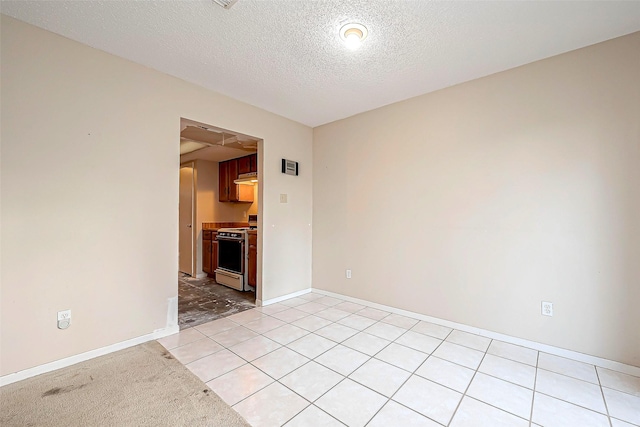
(233,256)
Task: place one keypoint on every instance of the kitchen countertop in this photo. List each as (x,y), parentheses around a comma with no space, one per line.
(215,226)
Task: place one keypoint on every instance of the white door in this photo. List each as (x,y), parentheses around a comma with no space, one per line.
(185,243)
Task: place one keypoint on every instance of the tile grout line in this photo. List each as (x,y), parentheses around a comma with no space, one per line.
(563,375)
(545,394)
(619,391)
(500,379)
(278,380)
(606,407)
(311,403)
(403,383)
(406,330)
(413,373)
(469,385)
(470,381)
(347,376)
(284,385)
(571,403)
(577,379)
(535,380)
(309,332)
(310,359)
(370,357)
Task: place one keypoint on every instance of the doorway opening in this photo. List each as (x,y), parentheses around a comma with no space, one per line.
(218,227)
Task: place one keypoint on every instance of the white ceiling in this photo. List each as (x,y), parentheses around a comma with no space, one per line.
(286,55)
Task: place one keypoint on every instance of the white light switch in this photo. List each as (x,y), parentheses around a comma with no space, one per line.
(283,198)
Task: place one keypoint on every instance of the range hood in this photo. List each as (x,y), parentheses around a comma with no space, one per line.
(250,178)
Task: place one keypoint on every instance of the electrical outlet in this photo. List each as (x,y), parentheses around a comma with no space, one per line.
(64,319)
(547,308)
(64,315)
(283,198)
(348,274)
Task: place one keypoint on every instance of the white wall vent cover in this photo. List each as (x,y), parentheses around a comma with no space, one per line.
(289,167)
(225,3)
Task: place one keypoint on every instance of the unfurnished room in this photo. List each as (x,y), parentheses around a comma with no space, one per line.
(320,213)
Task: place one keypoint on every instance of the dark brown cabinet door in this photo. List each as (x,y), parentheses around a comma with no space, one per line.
(232,176)
(206,257)
(253,260)
(244,164)
(253,159)
(214,252)
(223,182)
(228,190)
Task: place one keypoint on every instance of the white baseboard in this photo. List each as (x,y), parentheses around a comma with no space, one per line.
(282,298)
(593,360)
(72,360)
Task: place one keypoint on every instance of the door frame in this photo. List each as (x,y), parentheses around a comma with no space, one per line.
(194,206)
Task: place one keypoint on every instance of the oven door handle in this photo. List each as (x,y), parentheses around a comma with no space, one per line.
(227,273)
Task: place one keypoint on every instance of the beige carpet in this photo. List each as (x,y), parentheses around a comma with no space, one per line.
(139,386)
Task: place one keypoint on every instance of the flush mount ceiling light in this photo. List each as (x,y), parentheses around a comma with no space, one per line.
(353,35)
(225,3)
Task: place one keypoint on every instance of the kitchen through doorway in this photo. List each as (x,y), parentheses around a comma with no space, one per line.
(218,227)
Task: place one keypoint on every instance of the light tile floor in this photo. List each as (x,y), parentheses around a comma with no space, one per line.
(321,361)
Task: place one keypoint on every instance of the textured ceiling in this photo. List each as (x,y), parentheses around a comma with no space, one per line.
(287,57)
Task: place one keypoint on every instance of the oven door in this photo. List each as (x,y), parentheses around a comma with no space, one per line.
(231,255)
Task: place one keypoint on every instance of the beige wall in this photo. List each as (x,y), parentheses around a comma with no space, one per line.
(477,202)
(90,194)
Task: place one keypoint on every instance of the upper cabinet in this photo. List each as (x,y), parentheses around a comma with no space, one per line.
(254,162)
(244,165)
(248,164)
(228,191)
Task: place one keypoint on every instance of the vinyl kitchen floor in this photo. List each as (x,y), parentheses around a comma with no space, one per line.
(203,300)
(321,361)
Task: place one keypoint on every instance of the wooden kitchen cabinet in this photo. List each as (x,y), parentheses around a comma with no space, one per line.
(244,164)
(206,256)
(223,182)
(214,253)
(248,164)
(209,252)
(227,190)
(253,260)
